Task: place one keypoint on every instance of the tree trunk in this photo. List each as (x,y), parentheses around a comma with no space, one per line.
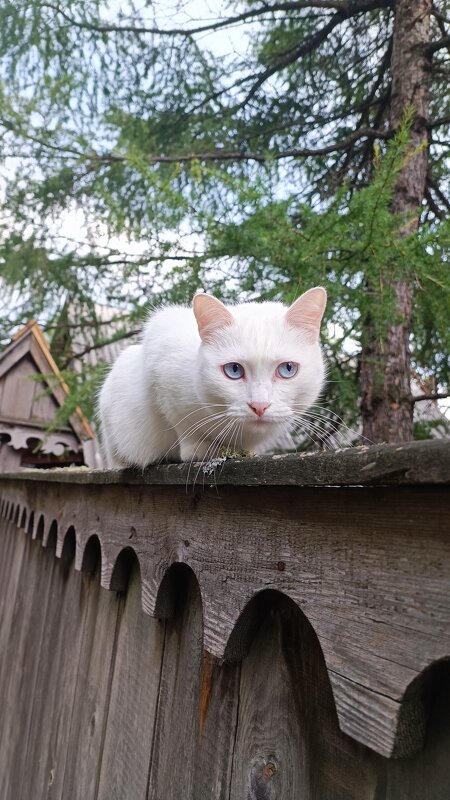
(385,365)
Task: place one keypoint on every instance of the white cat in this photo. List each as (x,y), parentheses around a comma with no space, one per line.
(212,377)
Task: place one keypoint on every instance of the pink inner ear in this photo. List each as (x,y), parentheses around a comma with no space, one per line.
(307,312)
(211,315)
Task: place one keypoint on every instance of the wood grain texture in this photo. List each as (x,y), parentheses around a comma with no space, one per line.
(44,407)
(125,760)
(11,357)
(13,544)
(92,691)
(12,547)
(91,687)
(18,390)
(270,760)
(179,708)
(23,664)
(288,744)
(368,565)
(219,703)
(55,682)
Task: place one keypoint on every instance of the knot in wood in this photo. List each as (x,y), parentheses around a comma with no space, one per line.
(263,778)
(269,770)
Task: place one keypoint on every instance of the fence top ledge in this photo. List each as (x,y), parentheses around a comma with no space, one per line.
(411,463)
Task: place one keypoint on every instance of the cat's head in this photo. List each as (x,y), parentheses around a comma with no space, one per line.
(261,361)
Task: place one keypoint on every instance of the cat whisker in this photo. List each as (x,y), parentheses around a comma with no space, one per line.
(219,442)
(239,428)
(306,431)
(204,437)
(191,430)
(195,411)
(331,438)
(327,415)
(319,421)
(287,431)
(217,451)
(335,420)
(239,431)
(233,437)
(199,424)
(312,427)
(332,413)
(214,447)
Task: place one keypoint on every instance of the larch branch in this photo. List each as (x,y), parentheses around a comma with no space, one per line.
(238,155)
(346,7)
(313,42)
(265,8)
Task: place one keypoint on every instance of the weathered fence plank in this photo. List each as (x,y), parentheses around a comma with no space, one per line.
(218,710)
(53,691)
(92,691)
(270,751)
(13,545)
(178,717)
(288,743)
(125,760)
(23,664)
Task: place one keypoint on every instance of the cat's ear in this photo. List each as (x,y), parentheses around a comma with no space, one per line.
(307,312)
(211,315)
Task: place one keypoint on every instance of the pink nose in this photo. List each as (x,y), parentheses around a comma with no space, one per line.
(259,408)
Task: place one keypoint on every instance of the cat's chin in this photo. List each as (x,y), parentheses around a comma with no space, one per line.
(259,422)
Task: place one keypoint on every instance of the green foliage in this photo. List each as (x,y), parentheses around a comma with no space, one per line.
(182,155)
(355,249)
(83,389)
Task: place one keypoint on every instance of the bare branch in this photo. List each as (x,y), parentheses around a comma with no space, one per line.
(238,155)
(439,15)
(340,5)
(291,56)
(10,126)
(347,7)
(438,192)
(436,123)
(312,43)
(438,45)
(433,206)
(436,396)
(63,326)
(79,355)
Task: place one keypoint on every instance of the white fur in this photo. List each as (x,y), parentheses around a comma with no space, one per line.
(169,398)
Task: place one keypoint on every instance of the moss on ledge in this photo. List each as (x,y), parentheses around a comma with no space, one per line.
(413,463)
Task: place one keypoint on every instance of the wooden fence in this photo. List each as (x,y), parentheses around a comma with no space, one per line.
(276,629)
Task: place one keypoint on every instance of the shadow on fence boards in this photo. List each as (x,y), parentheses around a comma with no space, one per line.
(275,629)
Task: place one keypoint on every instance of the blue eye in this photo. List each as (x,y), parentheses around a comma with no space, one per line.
(233,371)
(287,369)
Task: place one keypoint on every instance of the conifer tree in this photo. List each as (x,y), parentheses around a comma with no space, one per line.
(318,152)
